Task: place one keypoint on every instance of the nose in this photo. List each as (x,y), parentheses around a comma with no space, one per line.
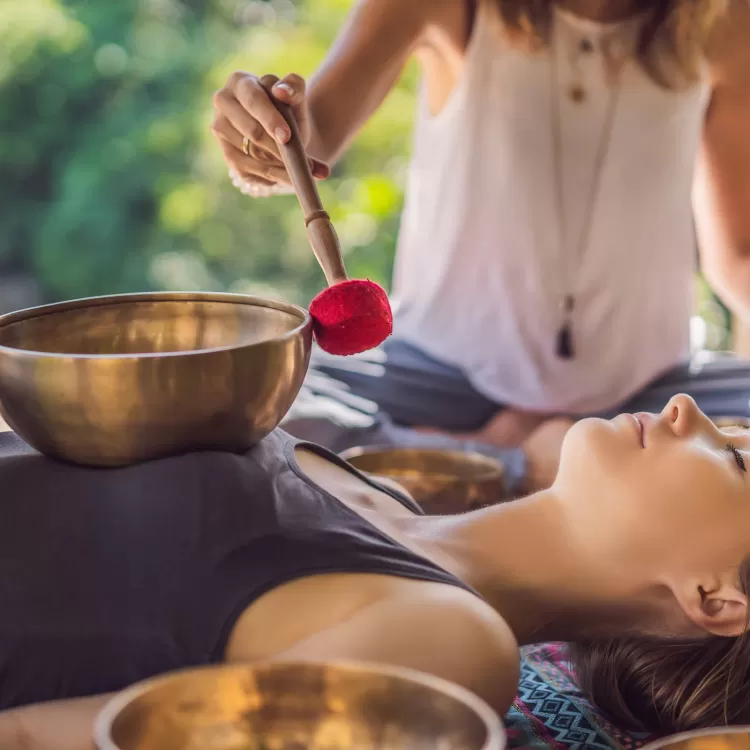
(683,416)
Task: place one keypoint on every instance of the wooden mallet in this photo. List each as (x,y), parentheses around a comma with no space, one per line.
(351,315)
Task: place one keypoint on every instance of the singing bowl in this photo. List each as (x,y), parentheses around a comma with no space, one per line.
(442,481)
(725,738)
(295,706)
(111,381)
(726,422)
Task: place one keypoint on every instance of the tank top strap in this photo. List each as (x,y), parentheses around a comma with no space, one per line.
(292,443)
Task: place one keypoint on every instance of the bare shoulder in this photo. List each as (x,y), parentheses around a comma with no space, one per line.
(729,46)
(467,613)
(421,17)
(432,627)
(472,644)
(421,11)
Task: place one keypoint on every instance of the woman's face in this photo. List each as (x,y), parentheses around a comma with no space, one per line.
(665,493)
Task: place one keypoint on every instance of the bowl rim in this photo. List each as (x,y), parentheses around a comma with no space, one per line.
(496,738)
(40,311)
(492,467)
(672,739)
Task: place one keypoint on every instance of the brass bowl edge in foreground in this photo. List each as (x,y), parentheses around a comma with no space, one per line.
(316,706)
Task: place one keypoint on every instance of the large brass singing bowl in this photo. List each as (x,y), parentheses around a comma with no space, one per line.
(296,706)
(728,738)
(111,381)
(442,481)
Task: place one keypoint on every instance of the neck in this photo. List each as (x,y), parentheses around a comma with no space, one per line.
(523,559)
(604,10)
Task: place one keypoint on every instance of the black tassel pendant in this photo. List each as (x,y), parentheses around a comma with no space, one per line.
(565,341)
(565,334)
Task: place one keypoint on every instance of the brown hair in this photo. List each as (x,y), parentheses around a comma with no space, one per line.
(673,40)
(668,685)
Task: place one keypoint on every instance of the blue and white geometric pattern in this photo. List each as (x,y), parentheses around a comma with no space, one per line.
(550,712)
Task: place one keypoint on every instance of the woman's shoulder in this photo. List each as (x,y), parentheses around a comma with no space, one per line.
(478,637)
(448,16)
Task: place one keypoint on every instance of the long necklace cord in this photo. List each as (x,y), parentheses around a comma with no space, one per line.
(564,343)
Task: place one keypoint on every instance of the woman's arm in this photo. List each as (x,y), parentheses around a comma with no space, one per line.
(722,185)
(360,69)
(57,725)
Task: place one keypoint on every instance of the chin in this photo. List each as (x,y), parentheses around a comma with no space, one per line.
(583,443)
(586,434)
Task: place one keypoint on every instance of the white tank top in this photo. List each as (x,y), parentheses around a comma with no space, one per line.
(478,267)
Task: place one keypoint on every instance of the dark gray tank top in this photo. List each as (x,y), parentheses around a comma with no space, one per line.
(111,576)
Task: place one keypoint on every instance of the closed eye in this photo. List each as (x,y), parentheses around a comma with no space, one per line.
(738,457)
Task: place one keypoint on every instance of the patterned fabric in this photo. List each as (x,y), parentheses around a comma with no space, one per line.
(551,713)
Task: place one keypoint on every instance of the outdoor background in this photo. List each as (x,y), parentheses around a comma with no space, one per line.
(110,180)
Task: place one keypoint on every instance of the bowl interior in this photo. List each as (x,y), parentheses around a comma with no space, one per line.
(408,463)
(148,326)
(292,707)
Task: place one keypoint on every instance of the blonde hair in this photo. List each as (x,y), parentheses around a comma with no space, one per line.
(673,39)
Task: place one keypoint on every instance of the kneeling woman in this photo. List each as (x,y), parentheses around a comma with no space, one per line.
(636,554)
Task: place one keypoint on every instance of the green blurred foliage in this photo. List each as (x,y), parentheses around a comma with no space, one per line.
(110,180)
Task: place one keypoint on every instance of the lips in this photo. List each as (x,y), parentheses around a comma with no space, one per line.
(644,421)
(640,428)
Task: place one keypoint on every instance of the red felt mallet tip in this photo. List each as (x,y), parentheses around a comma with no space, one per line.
(351,317)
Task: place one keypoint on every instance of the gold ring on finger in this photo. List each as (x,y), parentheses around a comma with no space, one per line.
(246,143)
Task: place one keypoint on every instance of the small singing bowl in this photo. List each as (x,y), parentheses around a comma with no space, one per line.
(725,738)
(112,381)
(296,706)
(726,422)
(441,481)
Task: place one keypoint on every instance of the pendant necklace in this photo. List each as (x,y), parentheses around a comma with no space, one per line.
(576,90)
(564,343)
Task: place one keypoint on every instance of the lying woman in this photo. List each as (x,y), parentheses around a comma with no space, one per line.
(640,551)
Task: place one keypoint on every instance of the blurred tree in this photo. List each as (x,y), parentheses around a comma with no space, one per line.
(111,181)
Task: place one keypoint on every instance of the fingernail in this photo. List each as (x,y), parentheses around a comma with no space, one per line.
(282,135)
(286,88)
(320,170)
